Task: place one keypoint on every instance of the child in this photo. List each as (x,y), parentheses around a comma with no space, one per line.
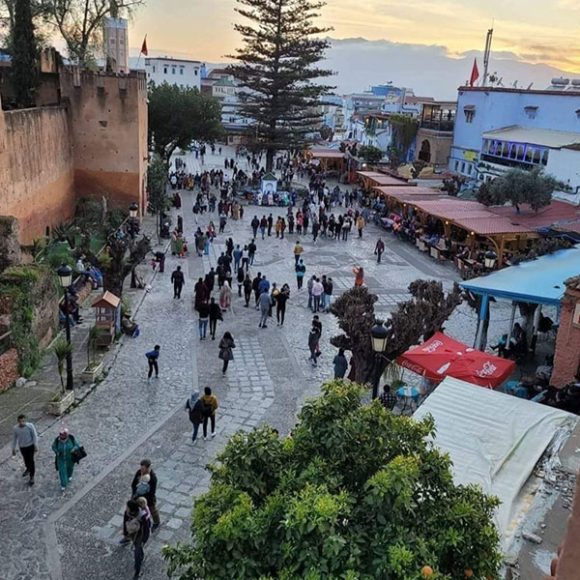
(147,515)
(143,486)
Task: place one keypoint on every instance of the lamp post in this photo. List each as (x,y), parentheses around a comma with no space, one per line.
(379,335)
(133,210)
(65,276)
(490,259)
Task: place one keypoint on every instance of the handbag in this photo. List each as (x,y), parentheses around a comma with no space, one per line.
(78,453)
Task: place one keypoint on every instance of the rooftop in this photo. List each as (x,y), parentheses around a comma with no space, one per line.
(171,59)
(547,137)
(540,281)
(466,89)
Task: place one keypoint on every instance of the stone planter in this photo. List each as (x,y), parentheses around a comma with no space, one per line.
(59,407)
(90,375)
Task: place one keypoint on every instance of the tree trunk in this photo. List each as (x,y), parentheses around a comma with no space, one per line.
(270,152)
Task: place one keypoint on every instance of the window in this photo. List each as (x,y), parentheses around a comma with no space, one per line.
(153,68)
(172,70)
(195,71)
(181,70)
(469,112)
(463,167)
(531,111)
(545,157)
(456,166)
(164,70)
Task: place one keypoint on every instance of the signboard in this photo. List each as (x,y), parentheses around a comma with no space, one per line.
(576,318)
(470,155)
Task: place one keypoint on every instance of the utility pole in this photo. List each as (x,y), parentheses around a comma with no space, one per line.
(486,56)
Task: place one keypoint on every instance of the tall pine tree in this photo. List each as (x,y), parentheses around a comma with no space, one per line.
(276,67)
(25,56)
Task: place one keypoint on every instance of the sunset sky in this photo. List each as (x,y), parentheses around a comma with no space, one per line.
(535,30)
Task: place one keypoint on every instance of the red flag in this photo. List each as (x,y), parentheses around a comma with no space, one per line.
(474,73)
(144,47)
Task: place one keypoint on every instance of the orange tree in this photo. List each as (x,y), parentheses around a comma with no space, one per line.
(354,493)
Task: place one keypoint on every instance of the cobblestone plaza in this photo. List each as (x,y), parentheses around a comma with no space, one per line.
(50,535)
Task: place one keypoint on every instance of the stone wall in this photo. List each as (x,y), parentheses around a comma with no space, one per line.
(10,252)
(567,359)
(8,369)
(36,169)
(109,131)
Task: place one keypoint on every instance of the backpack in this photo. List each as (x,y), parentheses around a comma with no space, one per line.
(206,409)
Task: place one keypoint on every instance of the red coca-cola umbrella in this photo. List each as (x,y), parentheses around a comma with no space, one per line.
(442,356)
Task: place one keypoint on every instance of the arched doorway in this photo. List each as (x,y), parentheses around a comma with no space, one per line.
(425,151)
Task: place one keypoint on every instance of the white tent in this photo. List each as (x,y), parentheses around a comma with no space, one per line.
(493,439)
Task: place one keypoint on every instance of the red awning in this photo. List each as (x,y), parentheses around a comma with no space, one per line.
(441,356)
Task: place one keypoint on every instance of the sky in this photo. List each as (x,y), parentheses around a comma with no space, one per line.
(535,31)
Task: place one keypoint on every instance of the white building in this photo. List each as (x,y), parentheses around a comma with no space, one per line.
(499,128)
(175,71)
(116,44)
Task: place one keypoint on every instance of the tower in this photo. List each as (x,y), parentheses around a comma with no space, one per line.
(116,40)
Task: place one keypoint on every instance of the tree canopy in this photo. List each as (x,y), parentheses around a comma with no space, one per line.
(355,493)
(520,186)
(414,320)
(370,154)
(276,68)
(25,69)
(178,116)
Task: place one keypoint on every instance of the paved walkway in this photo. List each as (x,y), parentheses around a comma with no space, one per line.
(46,534)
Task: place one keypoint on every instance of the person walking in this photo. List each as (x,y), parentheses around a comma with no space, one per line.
(210,281)
(281,298)
(252,251)
(263,226)
(240,277)
(255,224)
(300,272)
(270,222)
(340,364)
(328,289)
(152,361)
(360,225)
(245,258)
(313,338)
(136,529)
(203,312)
(151,495)
(210,406)
(264,305)
(298,249)
(25,438)
(226,297)
(256,288)
(359,276)
(215,314)
(379,249)
(64,447)
(177,279)
(226,353)
(317,291)
(247,289)
(194,407)
(237,253)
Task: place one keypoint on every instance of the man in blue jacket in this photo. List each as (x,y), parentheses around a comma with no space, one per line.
(152,358)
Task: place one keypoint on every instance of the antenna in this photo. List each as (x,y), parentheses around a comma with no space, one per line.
(486,54)
(500,82)
(530,86)
(515,84)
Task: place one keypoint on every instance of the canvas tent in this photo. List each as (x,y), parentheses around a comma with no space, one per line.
(494,440)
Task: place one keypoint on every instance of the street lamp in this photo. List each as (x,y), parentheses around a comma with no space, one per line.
(379,335)
(65,276)
(133,210)
(490,259)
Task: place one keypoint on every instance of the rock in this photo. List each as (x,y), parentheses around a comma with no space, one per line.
(542,526)
(31,383)
(532,538)
(20,382)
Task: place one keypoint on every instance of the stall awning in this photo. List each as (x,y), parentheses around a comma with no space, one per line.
(538,281)
(442,356)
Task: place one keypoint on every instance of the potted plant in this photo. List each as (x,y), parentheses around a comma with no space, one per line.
(94,368)
(63,399)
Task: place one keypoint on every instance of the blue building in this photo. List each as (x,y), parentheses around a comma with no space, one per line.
(499,128)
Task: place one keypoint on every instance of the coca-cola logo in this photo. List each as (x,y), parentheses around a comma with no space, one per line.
(433,347)
(487,370)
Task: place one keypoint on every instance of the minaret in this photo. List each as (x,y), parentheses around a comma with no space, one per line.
(116,41)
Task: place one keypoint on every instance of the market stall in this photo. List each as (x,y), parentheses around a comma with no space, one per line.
(442,356)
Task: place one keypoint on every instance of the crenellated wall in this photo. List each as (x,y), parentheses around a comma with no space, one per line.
(93,144)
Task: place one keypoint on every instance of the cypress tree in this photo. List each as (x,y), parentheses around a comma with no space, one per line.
(276,67)
(25,56)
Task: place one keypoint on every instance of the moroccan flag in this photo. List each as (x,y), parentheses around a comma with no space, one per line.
(474,73)
(144,47)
